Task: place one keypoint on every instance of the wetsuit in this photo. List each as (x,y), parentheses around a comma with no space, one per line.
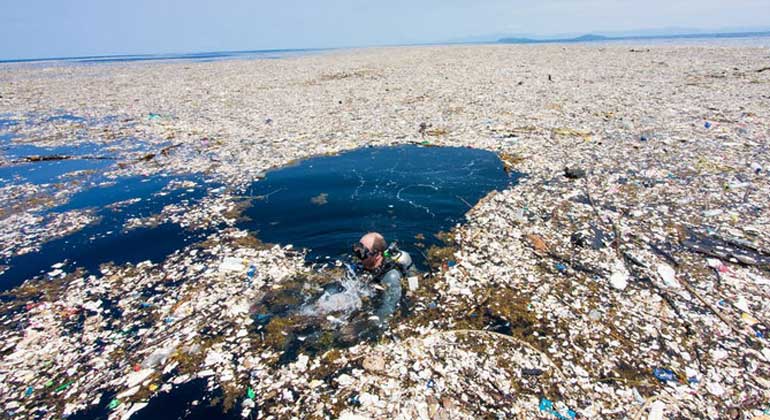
(391,281)
(389,276)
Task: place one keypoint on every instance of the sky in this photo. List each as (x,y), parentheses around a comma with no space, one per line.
(66,28)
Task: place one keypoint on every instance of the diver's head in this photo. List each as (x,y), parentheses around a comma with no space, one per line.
(369,250)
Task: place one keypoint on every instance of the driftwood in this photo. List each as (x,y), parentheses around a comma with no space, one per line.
(163,152)
(735,250)
(52,158)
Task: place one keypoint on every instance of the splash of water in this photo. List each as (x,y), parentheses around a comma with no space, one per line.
(343,300)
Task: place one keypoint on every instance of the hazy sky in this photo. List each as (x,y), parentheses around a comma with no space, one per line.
(48,28)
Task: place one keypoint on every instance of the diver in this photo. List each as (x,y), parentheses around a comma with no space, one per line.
(387,265)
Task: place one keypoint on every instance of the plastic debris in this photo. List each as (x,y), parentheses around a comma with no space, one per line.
(619,279)
(680,198)
(668,274)
(547,406)
(531,372)
(664,375)
(63,386)
(413,283)
(656,410)
(715,389)
(231,264)
(574,173)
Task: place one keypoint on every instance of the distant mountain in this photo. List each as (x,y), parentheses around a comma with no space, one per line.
(597,38)
(529,37)
(589,38)
(582,38)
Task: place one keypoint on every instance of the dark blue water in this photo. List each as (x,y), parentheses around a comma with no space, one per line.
(105,241)
(407,193)
(177,404)
(6,123)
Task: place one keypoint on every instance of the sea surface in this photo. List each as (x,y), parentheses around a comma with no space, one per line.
(750,40)
(194,57)
(408,193)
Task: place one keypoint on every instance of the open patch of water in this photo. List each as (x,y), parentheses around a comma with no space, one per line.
(407,193)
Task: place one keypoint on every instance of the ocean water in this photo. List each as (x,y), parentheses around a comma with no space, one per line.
(407,193)
(755,41)
(105,240)
(190,57)
(749,40)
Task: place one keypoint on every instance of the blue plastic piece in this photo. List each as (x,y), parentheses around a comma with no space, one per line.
(547,406)
(664,375)
(707,124)
(561,267)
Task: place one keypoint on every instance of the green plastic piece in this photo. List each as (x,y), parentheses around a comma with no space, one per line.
(113,404)
(63,386)
(250,393)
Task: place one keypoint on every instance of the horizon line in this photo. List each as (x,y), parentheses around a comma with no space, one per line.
(96,58)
